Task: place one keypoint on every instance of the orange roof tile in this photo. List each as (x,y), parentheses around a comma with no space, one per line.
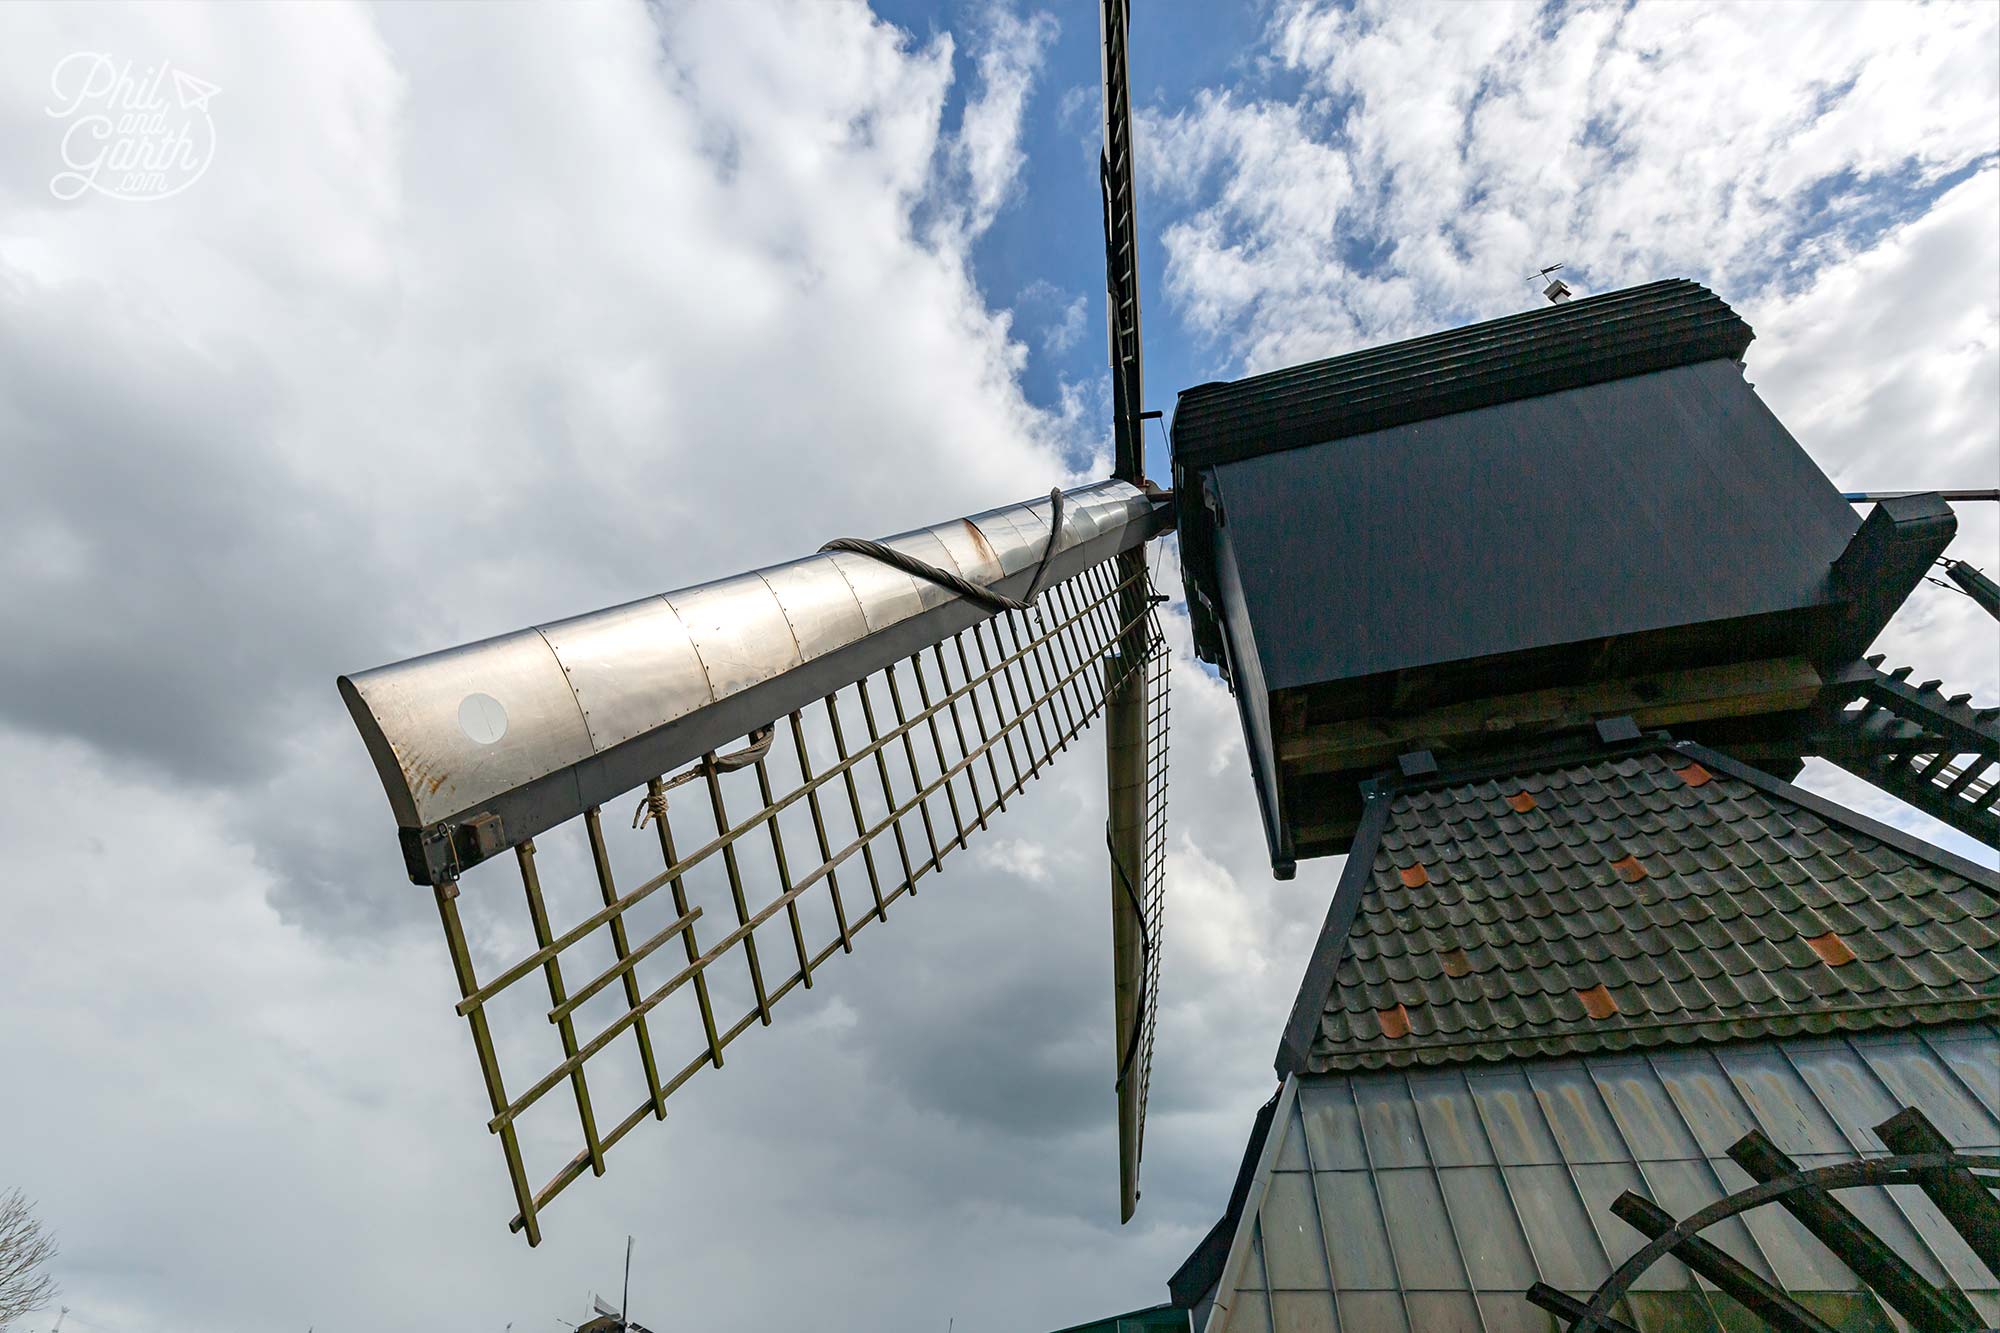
(1629,869)
(1598,1002)
(1395,1022)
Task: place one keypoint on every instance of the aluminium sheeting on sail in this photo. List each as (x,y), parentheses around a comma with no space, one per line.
(544,722)
(1429,1200)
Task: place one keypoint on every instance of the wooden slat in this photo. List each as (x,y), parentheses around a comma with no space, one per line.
(1743,689)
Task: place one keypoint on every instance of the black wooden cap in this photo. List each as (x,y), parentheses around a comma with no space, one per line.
(1619,334)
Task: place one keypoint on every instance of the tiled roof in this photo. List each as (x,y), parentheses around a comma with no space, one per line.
(1642,900)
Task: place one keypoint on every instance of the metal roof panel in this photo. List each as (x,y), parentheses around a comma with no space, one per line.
(1344,1223)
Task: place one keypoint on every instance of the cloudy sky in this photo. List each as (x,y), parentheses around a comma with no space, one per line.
(477,318)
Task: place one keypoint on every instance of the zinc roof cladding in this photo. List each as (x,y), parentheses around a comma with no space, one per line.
(1693,903)
(1433,1198)
(1631,332)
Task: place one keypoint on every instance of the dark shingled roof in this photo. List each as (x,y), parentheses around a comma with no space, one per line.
(1664,895)
(1612,336)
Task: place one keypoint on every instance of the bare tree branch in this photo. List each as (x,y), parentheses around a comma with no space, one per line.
(25,1252)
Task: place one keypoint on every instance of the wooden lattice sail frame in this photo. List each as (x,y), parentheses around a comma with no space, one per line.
(800,746)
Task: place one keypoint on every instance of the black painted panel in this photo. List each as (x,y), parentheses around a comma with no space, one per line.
(1671,498)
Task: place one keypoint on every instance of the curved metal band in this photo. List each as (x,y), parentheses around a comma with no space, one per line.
(1901,1169)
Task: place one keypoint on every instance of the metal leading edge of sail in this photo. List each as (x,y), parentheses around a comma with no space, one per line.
(528,729)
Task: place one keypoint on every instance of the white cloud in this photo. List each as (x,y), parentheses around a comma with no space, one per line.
(1439,153)
(184,1065)
(1080,110)
(1022,860)
(1064,324)
(988,147)
(1887,368)
(1060,337)
(488,383)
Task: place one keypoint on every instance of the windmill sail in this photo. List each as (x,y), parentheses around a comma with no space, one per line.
(1121,245)
(766,692)
(1135,712)
(803,744)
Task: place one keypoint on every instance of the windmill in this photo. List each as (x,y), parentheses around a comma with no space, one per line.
(606,1319)
(1531,620)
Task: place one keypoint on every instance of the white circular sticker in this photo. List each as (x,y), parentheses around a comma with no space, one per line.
(482,718)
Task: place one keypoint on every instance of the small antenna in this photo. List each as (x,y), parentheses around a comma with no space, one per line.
(1557,291)
(625,1300)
